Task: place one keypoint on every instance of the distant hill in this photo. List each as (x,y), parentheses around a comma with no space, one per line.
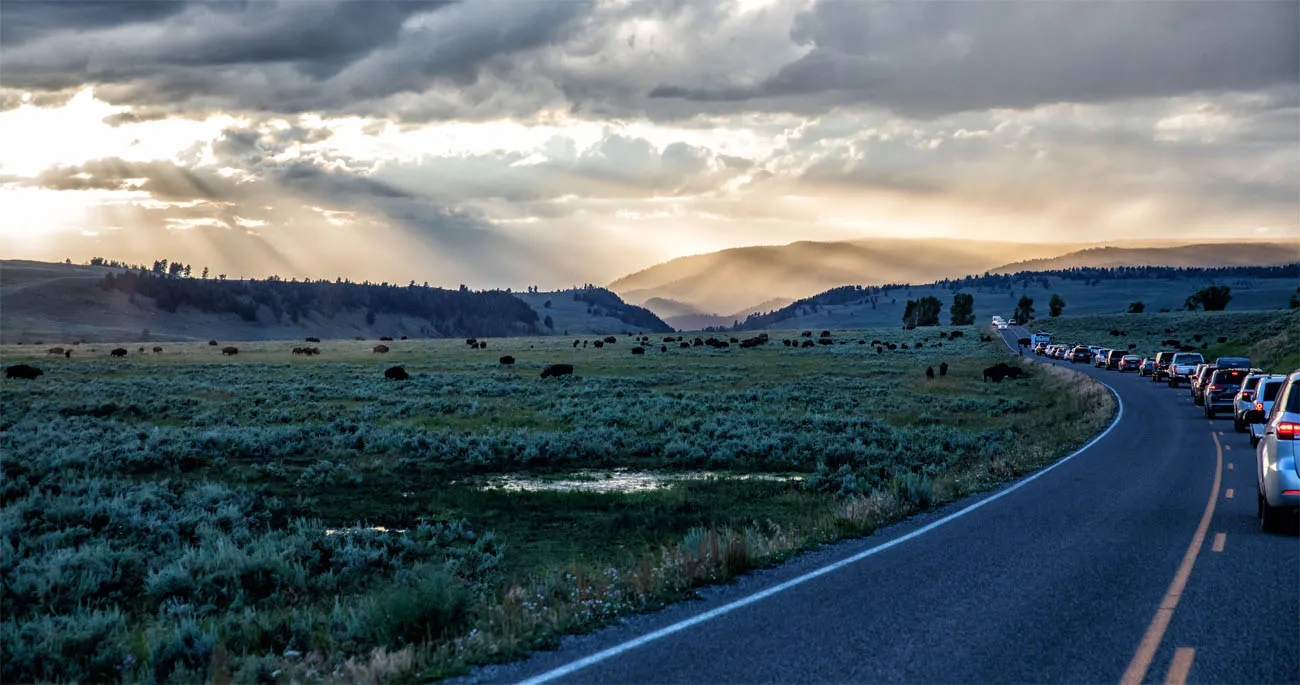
(1201,255)
(851,307)
(591,310)
(58,302)
(696,322)
(735,280)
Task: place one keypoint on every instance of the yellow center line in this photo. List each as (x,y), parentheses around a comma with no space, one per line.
(1229,466)
(1219,540)
(1228,447)
(1146,651)
(1228,493)
(1181,666)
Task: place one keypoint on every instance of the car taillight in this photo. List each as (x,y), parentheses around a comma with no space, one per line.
(1286,430)
(1216,387)
(1259,406)
(1246,395)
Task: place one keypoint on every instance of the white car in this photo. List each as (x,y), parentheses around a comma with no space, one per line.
(1262,398)
(1277,468)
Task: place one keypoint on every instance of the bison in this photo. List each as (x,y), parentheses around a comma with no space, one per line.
(315,340)
(929,373)
(23,371)
(663,348)
(638,350)
(1003,370)
(157,349)
(598,344)
(955,334)
(1023,342)
(610,340)
(472,342)
(808,343)
(396,373)
(557,370)
(230,350)
(943,369)
(387,338)
(54,350)
(507,360)
(684,345)
(379,349)
(118,352)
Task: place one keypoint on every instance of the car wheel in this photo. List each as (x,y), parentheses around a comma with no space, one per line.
(1237,424)
(1270,518)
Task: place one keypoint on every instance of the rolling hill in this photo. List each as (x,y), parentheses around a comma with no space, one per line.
(734,280)
(47,302)
(1200,255)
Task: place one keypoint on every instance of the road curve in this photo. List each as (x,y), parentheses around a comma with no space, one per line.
(1125,561)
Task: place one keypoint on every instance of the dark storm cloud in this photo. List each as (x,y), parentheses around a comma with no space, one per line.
(933,58)
(26,20)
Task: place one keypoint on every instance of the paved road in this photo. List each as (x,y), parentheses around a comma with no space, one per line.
(1138,558)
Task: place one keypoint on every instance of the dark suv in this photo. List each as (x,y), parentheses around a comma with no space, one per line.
(1232,362)
(1199,381)
(1161,372)
(1220,391)
(1113,357)
(1080,353)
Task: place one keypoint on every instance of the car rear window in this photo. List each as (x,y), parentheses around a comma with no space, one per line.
(1232,376)
(1270,390)
(1188,358)
(1251,382)
(1293,401)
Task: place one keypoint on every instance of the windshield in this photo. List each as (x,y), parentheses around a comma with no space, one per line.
(1233,377)
(1188,358)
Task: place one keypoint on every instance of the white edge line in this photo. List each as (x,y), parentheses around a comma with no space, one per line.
(629,645)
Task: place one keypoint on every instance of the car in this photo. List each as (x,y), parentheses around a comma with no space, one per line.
(1199,378)
(1257,392)
(1232,362)
(1220,388)
(1147,367)
(1113,357)
(1181,367)
(1128,362)
(1161,370)
(1080,354)
(1277,470)
(1099,359)
(1041,337)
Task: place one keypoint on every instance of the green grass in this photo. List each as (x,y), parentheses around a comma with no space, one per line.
(301,445)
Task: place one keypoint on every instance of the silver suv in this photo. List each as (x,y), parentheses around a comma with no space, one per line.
(1277,469)
(1264,396)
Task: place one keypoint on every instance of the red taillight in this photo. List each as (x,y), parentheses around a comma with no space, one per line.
(1259,406)
(1286,430)
(1291,492)
(1216,387)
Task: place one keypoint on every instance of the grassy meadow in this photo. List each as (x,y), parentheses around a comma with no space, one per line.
(186,515)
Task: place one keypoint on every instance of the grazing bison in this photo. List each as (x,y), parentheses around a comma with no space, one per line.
(929,373)
(663,348)
(825,341)
(482,344)
(943,369)
(557,370)
(1003,370)
(67,354)
(880,350)
(396,373)
(23,371)
(315,340)
(379,349)
(575,343)
(904,346)
(157,349)
(403,337)
(387,338)
(808,343)
(638,350)
(610,340)
(507,360)
(119,352)
(212,343)
(956,334)
(893,346)
(785,342)
(684,345)
(229,350)
(598,344)
(472,342)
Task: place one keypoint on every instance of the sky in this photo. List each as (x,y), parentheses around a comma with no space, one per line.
(505,143)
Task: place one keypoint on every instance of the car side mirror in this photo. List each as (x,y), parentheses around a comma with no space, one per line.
(1254,416)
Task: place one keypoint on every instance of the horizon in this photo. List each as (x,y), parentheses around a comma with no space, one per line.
(501,143)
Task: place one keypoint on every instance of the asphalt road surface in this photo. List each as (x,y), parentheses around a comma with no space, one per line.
(1137,559)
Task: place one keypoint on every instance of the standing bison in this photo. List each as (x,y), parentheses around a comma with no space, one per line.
(396,373)
(119,352)
(557,370)
(230,350)
(943,369)
(638,350)
(507,360)
(379,349)
(23,371)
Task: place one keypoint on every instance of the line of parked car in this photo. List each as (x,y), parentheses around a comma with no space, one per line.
(1264,405)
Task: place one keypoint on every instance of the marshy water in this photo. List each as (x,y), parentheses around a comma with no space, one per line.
(617,481)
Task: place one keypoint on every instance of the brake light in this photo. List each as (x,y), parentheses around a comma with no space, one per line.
(1246,395)
(1216,387)
(1286,430)
(1259,406)
(1291,492)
